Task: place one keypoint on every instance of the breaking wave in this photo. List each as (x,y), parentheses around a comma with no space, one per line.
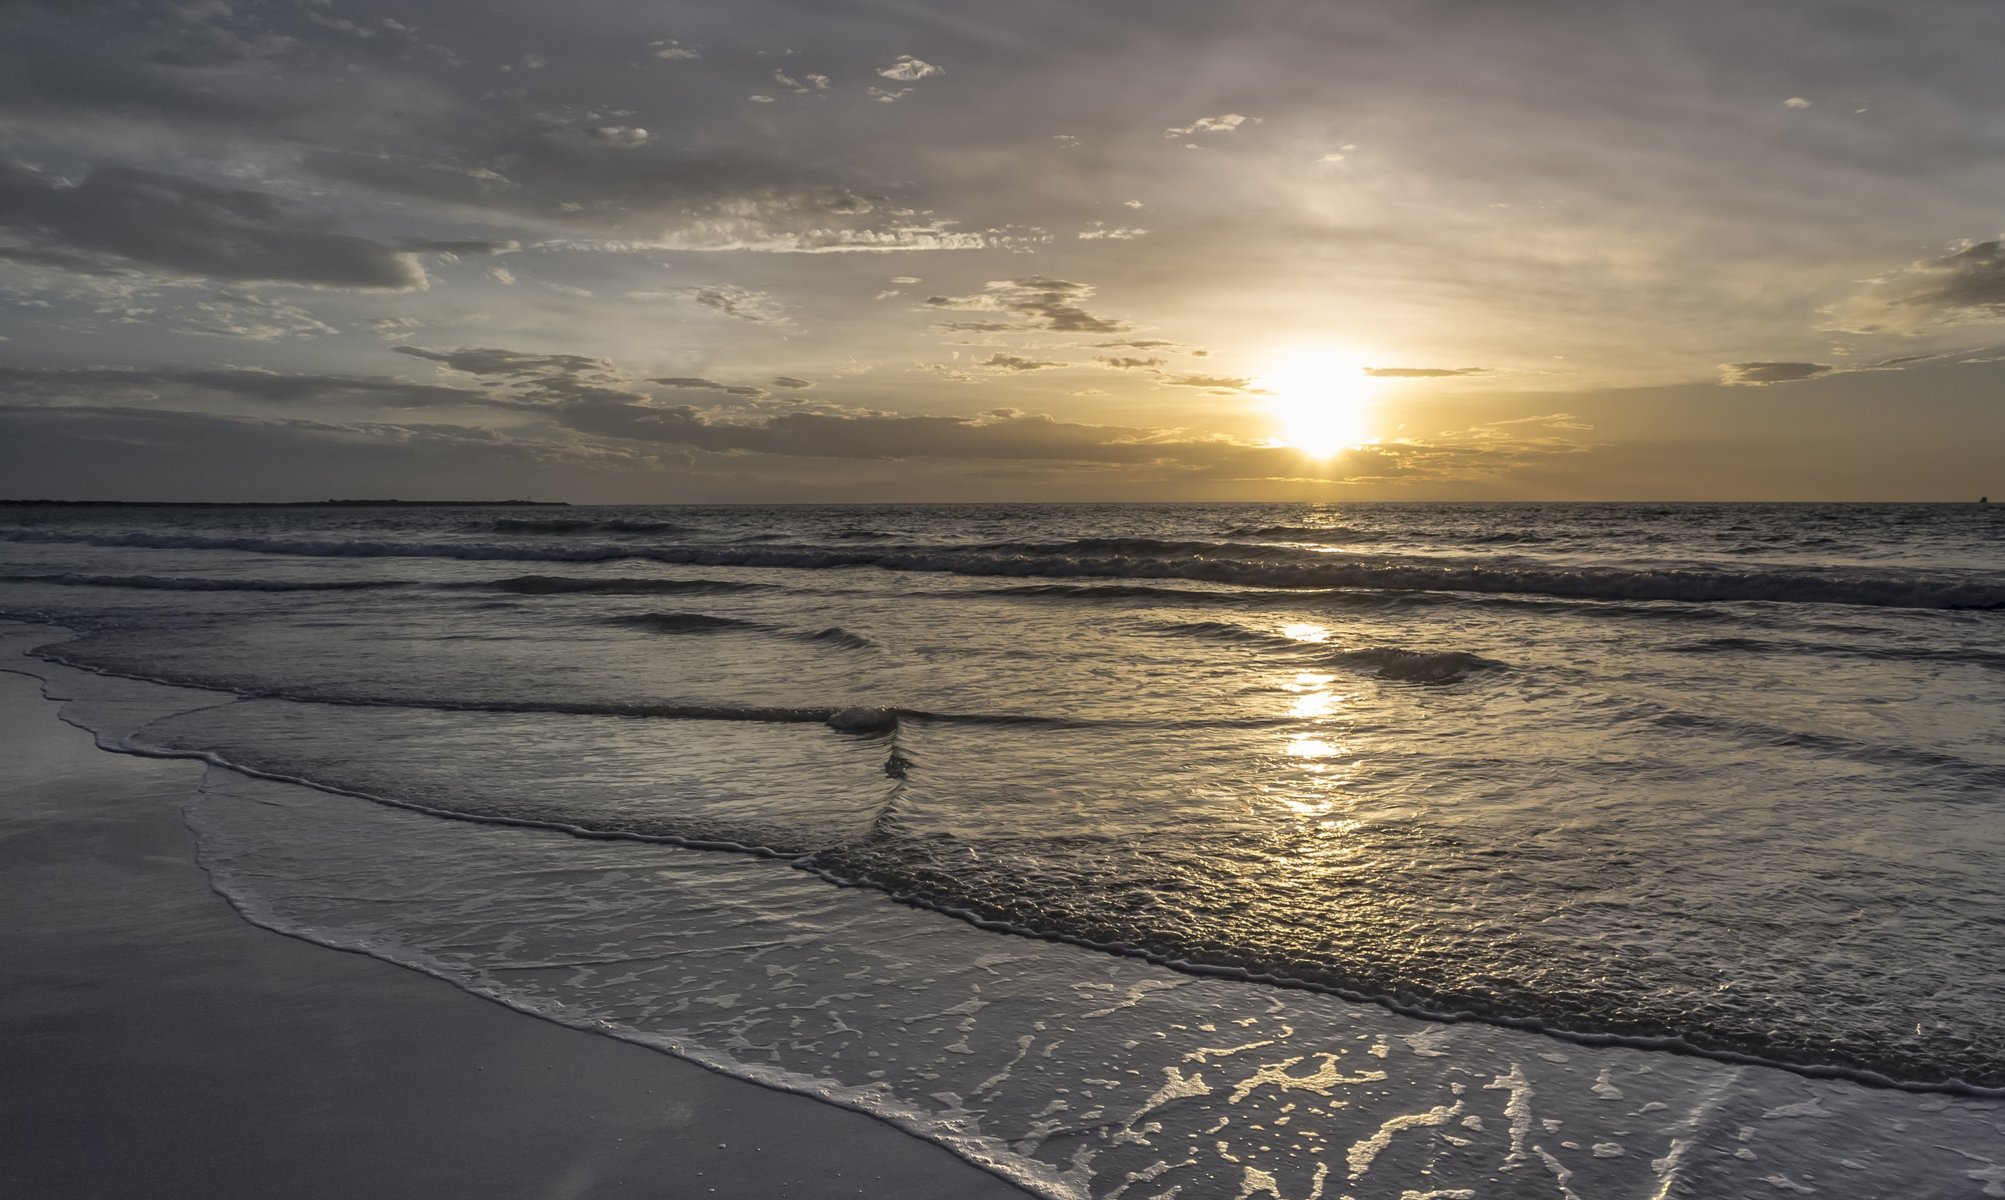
(1207,562)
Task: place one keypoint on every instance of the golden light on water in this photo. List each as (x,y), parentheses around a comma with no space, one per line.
(1315,704)
(1321,400)
(1309,746)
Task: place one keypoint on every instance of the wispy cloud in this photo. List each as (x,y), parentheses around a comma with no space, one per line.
(1048,304)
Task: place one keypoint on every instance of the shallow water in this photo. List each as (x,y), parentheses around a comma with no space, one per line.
(1721,779)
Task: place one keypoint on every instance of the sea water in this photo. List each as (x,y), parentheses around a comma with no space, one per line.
(1194,850)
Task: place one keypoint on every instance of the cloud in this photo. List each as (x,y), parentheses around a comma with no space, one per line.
(122,217)
(1220,382)
(908,69)
(483,360)
(148,454)
(1796,102)
(459,248)
(1005,434)
(980,326)
(1099,232)
(255,318)
(1423,372)
(764,233)
(1013,362)
(1965,286)
(1050,304)
(743,304)
(97,384)
(619,428)
(790,383)
(673,50)
(1223,123)
(1130,364)
(1759,374)
(692,383)
(623,137)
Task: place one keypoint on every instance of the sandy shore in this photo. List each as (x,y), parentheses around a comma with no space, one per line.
(153,1044)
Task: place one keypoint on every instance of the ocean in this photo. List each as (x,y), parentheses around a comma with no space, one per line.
(1136,850)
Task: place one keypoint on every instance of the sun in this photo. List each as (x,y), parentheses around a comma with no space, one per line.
(1320,398)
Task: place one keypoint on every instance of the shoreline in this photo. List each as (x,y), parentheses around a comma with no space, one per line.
(1586,1039)
(160,1045)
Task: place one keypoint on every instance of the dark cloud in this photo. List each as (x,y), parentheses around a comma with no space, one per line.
(743,304)
(1223,382)
(121,216)
(1015,362)
(1049,304)
(790,383)
(979,326)
(1757,374)
(1972,280)
(694,383)
(111,452)
(1423,372)
(461,248)
(482,360)
(1130,364)
(1966,285)
(193,386)
(1009,435)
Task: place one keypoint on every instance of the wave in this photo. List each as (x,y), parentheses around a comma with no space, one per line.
(682,622)
(172,583)
(842,717)
(580,525)
(1331,535)
(1418,666)
(1116,593)
(1387,662)
(679,622)
(1990,659)
(836,635)
(1226,631)
(1206,562)
(1304,533)
(922,890)
(549,585)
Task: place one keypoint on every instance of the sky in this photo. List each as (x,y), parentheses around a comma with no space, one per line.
(634,251)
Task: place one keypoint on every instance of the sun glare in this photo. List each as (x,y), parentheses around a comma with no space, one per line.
(1321,400)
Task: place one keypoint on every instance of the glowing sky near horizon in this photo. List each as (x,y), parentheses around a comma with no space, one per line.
(773,250)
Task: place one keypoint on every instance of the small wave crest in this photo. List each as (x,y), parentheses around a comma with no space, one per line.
(546,585)
(1304,533)
(580,525)
(681,622)
(1417,666)
(174,583)
(836,635)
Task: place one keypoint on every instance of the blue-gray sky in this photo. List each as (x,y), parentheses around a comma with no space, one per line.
(614,250)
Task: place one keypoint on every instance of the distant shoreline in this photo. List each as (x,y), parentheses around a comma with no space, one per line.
(284,504)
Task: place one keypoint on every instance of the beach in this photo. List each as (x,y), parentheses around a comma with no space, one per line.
(157,1045)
